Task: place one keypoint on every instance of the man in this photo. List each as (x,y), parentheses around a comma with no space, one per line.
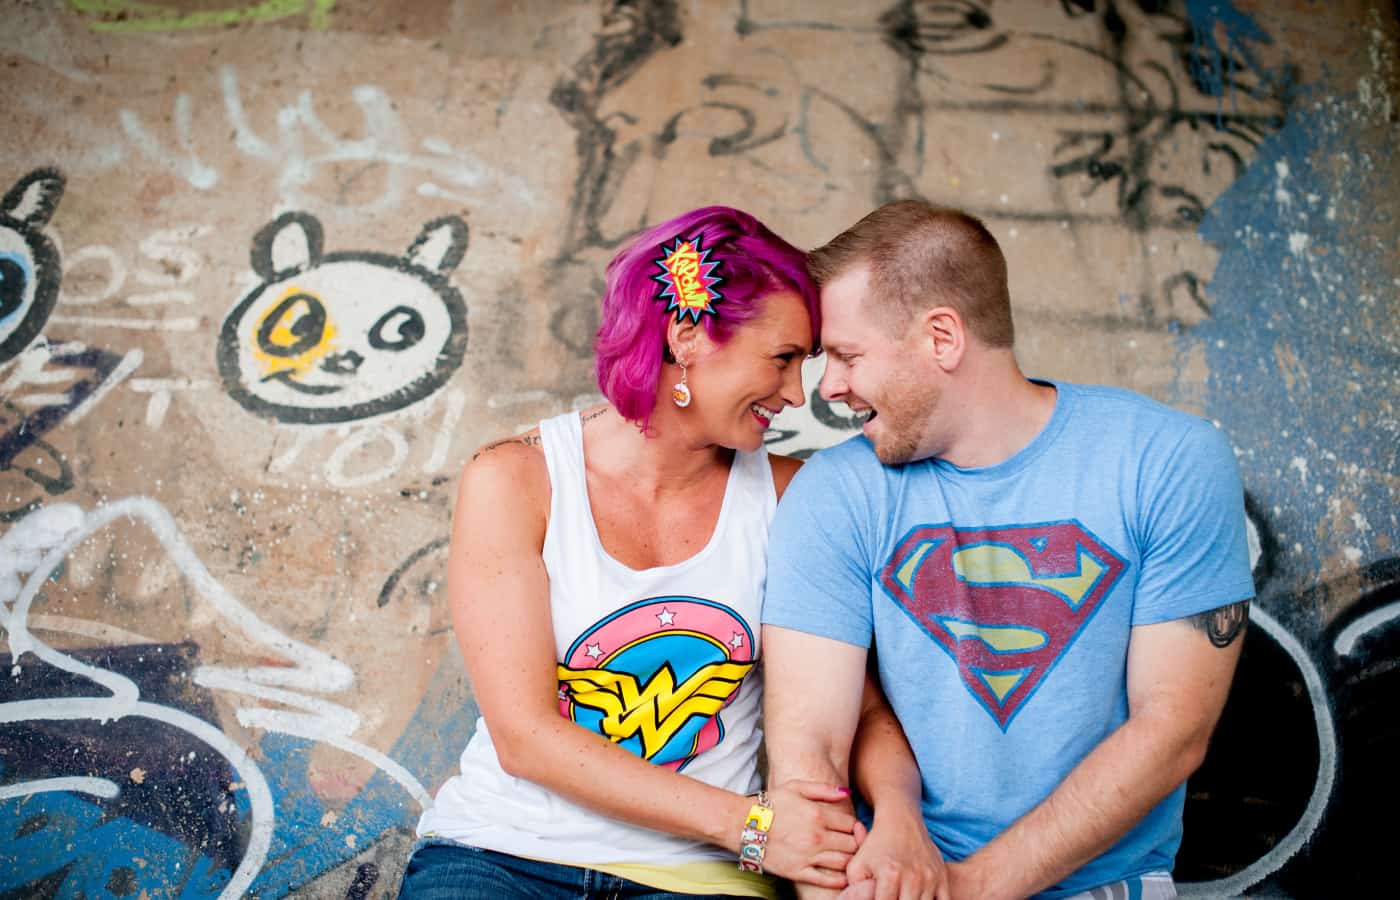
(1052,581)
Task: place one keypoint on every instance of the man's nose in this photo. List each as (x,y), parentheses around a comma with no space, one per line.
(833,384)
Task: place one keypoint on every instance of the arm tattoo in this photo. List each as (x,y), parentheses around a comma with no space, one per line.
(1223,624)
(529,440)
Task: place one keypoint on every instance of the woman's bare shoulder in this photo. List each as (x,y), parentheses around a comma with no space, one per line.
(514,463)
(784,467)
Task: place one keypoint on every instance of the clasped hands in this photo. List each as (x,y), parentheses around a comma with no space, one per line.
(817,840)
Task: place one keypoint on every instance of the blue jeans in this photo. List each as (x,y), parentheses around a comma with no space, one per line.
(443,870)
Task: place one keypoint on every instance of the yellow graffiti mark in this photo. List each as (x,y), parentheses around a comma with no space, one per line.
(136,16)
(283,335)
(1001,638)
(995,564)
(658,709)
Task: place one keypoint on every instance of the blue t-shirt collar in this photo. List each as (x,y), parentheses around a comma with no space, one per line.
(1064,402)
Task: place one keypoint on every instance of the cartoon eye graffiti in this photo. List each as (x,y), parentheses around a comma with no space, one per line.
(337,337)
(293,327)
(29,266)
(407,329)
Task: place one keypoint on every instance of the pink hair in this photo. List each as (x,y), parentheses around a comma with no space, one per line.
(631,342)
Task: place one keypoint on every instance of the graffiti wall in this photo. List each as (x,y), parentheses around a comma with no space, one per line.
(270,273)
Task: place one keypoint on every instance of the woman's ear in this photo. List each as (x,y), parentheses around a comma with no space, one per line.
(686,340)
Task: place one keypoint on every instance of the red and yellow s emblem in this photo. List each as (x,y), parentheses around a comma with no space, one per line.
(1005,602)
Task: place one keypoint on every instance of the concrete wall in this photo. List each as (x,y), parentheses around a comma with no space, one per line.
(229,668)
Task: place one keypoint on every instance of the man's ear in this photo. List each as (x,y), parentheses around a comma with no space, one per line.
(685,340)
(946,333)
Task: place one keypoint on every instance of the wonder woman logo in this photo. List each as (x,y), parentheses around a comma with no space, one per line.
(654,676)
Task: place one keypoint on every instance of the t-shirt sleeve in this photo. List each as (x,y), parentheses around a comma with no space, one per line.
(818,571)
(1195,553)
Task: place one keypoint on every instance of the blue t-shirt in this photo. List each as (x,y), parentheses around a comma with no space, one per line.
(1000,599)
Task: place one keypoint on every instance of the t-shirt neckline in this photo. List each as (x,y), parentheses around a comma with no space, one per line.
(1064,402)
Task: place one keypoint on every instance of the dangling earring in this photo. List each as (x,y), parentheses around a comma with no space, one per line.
(680,391)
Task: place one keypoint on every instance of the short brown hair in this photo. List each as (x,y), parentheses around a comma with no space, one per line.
(920,256)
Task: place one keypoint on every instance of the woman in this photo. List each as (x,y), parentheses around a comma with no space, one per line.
(605,580)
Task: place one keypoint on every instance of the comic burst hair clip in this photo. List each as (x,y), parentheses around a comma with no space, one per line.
(689,278)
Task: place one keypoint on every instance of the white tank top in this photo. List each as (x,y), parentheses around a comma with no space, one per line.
(662,661)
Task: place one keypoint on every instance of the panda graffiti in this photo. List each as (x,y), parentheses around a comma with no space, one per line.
(29,269)
(339,337)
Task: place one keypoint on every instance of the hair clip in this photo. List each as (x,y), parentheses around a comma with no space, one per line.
(689,278)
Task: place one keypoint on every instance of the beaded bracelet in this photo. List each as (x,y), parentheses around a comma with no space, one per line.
(753,840)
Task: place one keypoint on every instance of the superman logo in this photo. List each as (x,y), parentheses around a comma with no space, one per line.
(1004,602)
(654,676)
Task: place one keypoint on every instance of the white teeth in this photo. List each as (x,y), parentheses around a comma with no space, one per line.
(764,411)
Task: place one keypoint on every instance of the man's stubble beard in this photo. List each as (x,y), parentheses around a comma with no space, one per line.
(906,413)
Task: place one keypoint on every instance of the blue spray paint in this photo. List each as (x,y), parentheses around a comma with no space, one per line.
(303,848)
(63,837)
(170,834)
(1302,345)
(1215,69)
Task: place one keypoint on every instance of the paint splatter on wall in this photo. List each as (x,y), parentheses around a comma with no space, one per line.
(235,389)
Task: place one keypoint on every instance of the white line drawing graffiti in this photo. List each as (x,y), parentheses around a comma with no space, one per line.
(360,438)
(42,364)
(135,324)
(160,390)
(303,143)
(39,544)
(1307,823)
(1349,636)
(97,787)
(130,363)
(70,295)
(454,402)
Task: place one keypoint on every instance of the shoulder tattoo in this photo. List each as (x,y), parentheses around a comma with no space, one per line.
(589,417)
(1222,624)
(528,440)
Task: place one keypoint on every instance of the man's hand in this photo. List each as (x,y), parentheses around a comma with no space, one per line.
(897,861)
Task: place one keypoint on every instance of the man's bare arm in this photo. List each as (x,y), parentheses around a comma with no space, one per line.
(1179,675)
(812,701)
(898,853)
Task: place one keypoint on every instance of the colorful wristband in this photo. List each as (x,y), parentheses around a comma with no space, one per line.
(753,840)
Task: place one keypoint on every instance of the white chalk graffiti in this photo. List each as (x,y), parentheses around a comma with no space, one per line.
(34,549)
(1306,826)
(351,462)
(1346,641)
(47,365)
(172,264)
(303,144)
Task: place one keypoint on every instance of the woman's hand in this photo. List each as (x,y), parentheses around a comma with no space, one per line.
(897,861)
(813,833)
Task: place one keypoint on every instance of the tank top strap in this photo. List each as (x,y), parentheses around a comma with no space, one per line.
(754,483)
(569,534)
(562,439)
